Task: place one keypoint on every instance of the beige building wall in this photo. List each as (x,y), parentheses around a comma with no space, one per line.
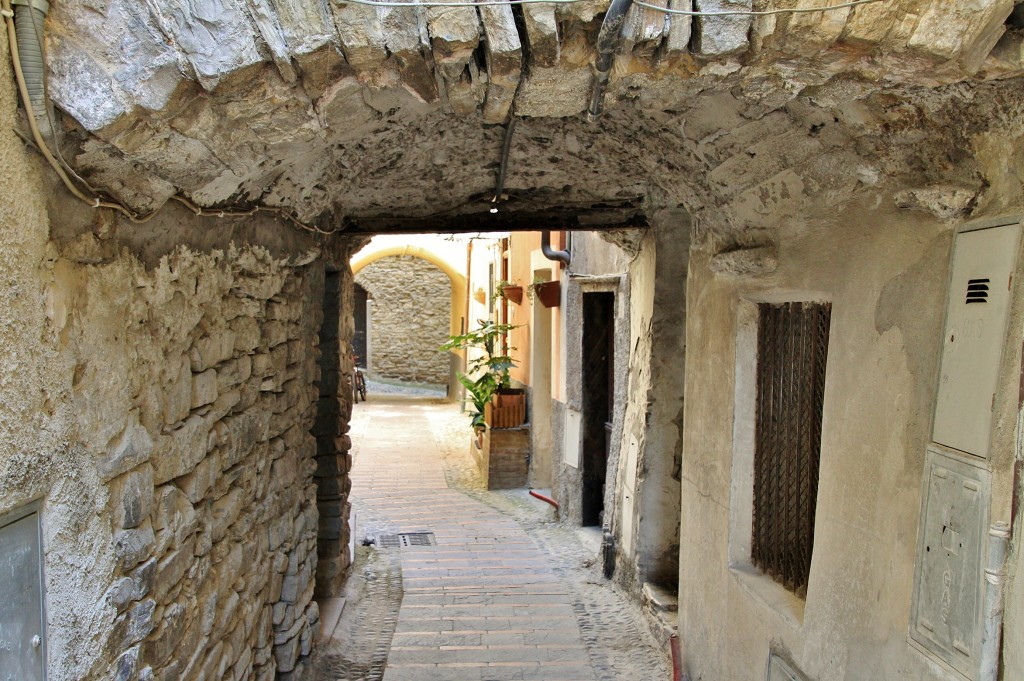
(886,279)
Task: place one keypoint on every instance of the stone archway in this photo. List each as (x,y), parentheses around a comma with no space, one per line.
(428,256)
(409,312)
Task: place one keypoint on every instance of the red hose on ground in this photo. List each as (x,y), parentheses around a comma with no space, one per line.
(677,662)
(544,498)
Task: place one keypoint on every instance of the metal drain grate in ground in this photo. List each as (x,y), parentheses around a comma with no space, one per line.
(393,541)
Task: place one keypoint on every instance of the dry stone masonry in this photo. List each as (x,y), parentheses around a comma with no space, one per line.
(409,319)
(210,481)
(193,501)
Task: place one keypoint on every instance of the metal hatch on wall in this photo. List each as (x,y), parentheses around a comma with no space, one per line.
(22,631)
(946,618)
(946,614)
(977,312)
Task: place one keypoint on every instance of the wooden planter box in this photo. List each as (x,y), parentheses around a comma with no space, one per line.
(513,294)
(506,410)
(549,293)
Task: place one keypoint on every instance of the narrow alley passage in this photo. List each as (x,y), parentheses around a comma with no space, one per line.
(504,593)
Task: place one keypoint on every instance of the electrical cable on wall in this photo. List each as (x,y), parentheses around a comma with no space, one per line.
(506,146)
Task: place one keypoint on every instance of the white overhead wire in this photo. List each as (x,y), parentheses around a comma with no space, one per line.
(751,13)
(666,10)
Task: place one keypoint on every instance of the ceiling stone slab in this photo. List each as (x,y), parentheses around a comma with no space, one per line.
(266,21)
(721,36)
(677,40)
(305,25)
(97,79)
(644,29)
(217,37)
(950,30)
(541,34)
(392,111)
(504,52)
(361,32)
(405,34)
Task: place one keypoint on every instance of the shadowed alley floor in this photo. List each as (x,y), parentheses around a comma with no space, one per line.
(504,594)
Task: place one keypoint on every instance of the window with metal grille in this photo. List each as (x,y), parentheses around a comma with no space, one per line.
(792,348)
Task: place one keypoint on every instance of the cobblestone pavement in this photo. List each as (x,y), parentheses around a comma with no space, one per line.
(505,593)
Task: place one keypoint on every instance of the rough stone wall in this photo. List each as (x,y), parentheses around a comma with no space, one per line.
(409,319)
(334,409)
(210,476)
(157,396)
(192,391)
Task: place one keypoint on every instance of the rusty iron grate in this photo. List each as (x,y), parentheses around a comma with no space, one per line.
(791,357)
(405,539)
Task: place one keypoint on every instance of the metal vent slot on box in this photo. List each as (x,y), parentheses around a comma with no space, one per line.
(406,539)
(977,291)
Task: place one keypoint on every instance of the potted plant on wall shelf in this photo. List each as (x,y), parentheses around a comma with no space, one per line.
(549,293)
(487,379)
(510,292)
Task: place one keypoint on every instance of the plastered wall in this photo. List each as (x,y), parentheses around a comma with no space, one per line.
(886,279)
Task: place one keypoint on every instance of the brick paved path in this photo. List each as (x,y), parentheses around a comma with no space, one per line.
(482,604)
(504,592)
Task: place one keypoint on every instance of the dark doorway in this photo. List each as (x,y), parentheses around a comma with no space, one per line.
(360,336)
(598,399)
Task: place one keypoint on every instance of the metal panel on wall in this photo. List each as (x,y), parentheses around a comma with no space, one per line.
(948,580)
(22,656)
(979,302)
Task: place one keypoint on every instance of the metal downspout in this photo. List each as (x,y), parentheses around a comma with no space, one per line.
(550,253)
(608,41)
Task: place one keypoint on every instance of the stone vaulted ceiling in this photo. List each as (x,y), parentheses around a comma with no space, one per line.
(365,118)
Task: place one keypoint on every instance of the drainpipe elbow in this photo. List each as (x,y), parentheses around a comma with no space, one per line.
(550,253)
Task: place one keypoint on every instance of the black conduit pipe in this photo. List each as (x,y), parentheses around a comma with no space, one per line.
(506,146)
(550,253)
(608,41)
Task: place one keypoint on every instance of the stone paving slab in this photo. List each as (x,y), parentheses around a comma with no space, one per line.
(481,605)
(505,594)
